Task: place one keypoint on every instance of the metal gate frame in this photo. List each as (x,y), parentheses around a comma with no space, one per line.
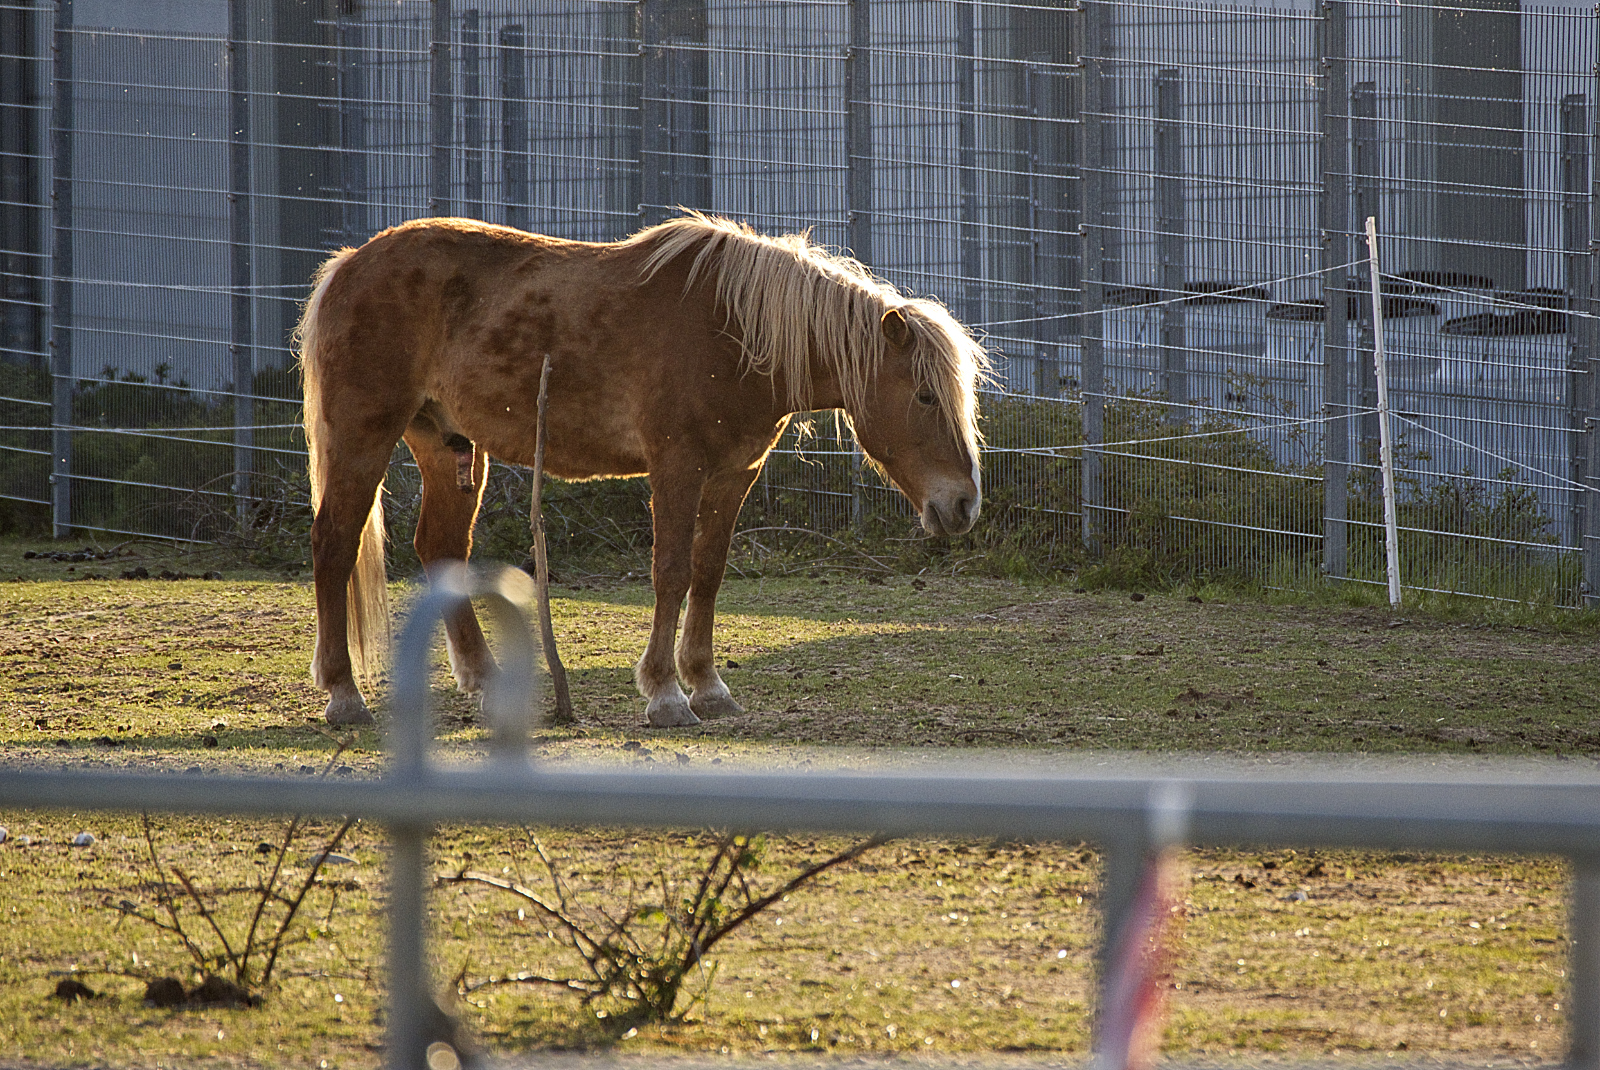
(1132,815)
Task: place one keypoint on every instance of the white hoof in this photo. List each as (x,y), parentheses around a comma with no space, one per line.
(709,703)
(347,710)
(670,711)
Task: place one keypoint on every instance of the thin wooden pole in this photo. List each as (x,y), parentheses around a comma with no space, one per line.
(1391,527)
(541,561)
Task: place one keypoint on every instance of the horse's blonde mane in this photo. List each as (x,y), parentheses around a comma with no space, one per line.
(791,299)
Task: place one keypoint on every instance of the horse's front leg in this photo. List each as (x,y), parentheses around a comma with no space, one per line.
(719,512)
(674,501)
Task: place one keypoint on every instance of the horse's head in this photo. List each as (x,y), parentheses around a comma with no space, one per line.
(918,418)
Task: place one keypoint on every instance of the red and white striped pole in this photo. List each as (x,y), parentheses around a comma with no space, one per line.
(1138,969)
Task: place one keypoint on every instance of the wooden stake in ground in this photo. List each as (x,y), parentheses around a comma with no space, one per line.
(541,562)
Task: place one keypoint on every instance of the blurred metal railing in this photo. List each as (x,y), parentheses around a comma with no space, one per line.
(1133,816)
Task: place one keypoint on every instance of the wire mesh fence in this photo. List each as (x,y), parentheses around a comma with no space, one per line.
(1150,210)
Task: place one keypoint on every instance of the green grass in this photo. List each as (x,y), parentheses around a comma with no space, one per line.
(105,672)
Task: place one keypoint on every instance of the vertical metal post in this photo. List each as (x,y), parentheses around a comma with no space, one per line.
(1045,258)
(352,122)
(1335,212)
(858,178)
(1583,967)
(472,114)
(1171,225)
(1582,409)
(1364,171)
(22,265)
(967,162)
(1092,233)
(516,147)
(61,419)
(409,997)
(441,110)
(858,130)
(654,157)
(241,244)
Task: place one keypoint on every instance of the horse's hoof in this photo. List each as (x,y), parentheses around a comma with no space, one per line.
(347,711)
(710,705)
(671,712)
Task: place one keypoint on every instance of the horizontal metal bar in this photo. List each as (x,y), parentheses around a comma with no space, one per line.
(1488,813)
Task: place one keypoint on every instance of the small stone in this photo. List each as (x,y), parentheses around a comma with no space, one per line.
(264,848)
(1296,896)
(164,992)
(23,841)
(174,665)
(192,769)
(4,834)
(208,740)
(683,759)
(329,858)
(215,992)
(83,839)
(1136,597)
(71,990)
(732,664)
(632,744)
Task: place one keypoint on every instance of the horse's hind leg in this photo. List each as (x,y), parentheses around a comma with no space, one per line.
(719,511)
(335,543)
(444,533)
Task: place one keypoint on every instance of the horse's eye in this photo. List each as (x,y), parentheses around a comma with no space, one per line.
(925,397)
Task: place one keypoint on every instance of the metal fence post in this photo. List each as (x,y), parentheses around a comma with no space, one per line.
(61,276)
(858,178)
(1576,162)
(1364,174)
(352,122)
(472,113)
(516,147)
(970,240)
(653,114)
(441,109)
(241,245)
(1171,225)
(1583,967)
(22,265)
(1334,208)
(1092,235)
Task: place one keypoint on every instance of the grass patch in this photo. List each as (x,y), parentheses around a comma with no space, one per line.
(142,672)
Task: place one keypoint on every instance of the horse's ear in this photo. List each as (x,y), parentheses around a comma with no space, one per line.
(896,329)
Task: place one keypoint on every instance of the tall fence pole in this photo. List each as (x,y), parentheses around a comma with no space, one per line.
(441,108)
(654,113)
(516,145)
(1171,226)
(858,179)
(352,122)
(61,275)
(1391,528)
(1364,174)
(971,241)
(472,113)
(241,245)
(1334,208)
(1092,235)
(1582,394)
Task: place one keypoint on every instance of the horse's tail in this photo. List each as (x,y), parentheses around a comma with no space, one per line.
(368,599)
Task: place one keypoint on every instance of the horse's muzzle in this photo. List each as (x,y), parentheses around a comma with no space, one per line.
(954,515)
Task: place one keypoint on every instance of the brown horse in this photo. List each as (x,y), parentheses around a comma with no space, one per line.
(679,353)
